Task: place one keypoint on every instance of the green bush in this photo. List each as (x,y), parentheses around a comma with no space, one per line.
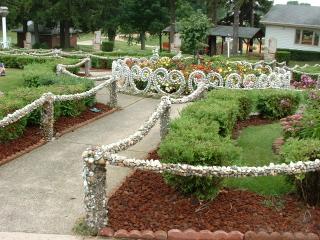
(199,145)
(107,46)
(283,56)
(40,46)
(276,104)
(300,55)
(15,130)
(307,185)
(102,63)
(12,61)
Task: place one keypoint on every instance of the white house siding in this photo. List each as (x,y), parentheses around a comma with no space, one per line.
(286,37)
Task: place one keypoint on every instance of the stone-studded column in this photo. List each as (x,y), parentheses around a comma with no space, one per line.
(87,67)
(318,82)
(95,199)
(164,121)
(47,117)
(113,101)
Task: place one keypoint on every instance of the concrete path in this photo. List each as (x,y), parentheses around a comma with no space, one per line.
(36,236)
(42,191)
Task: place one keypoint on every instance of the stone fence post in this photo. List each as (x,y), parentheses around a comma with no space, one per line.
(95,198)
(47,117)
(87,67)
(113,101)
(318,82)
(164,122)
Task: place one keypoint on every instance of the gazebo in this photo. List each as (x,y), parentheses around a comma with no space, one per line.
(246,35)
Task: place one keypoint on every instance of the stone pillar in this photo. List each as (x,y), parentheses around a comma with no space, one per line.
(95,198)
(3,13)
(87,67)
(318,82)
(47,117)
(113,101)
(164,121)
(97,41)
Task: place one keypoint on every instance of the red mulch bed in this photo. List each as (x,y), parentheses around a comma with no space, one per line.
(145,201)
(33,134)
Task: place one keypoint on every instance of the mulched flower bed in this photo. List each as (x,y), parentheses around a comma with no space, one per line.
(33,134)
(145,201)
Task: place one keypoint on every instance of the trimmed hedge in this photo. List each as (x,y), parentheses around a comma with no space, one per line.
(276,104)
(20,97)
(201,136)
(283,56)
(300,55)
(107,46)
(11,61)
(307,185)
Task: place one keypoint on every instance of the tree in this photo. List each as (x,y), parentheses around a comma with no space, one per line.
(142,16)
(194,31)
(236,22)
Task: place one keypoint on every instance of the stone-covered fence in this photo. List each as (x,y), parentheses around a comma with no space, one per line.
(47,100)
(97,158)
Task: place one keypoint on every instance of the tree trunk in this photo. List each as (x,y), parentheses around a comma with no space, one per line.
(24,28)
(36,32)
(172,22)
(111,34)
(236,29)
(160,41)
(212,6)
(252,13)
(143,40)
(62,35)
(67,34)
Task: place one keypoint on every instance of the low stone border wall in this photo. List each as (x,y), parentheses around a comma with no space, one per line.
(190,234)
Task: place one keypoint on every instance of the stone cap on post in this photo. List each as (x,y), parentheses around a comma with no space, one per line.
(3,11)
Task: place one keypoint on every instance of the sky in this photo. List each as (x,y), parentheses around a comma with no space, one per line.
(312,2)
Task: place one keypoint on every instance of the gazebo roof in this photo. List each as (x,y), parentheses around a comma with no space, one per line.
(225,31)
(45,30)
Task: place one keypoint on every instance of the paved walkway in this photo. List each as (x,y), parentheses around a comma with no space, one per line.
(41,192)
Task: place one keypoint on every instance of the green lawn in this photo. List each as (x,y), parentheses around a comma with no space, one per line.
(256,142)
(12,80)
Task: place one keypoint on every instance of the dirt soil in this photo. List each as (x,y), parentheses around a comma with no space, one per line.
(145,201)
(33,134)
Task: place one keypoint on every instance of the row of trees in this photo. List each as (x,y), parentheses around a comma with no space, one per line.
(129,16)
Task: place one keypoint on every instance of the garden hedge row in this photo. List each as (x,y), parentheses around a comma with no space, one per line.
(202,134)
(303,144)
(300,55)
(20,97)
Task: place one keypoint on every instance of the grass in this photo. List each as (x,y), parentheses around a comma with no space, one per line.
(12,80)
(256,142)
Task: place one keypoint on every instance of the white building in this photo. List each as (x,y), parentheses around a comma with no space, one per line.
(295,27)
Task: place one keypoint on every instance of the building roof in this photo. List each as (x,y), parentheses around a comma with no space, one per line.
(45,30)
(293,15)
(225,31)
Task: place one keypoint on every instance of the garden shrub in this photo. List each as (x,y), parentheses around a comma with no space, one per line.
(102,63)
(12,61)
(107,46)
(201,149)
(308,184)
(283,56)
(300,55)
(15,130)
(276,104)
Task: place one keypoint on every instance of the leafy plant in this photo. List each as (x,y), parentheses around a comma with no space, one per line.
(308,184)
(194,32)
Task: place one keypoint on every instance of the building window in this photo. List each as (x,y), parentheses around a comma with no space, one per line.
(307,37)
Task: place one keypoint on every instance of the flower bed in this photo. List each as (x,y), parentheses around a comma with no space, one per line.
(179,75)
